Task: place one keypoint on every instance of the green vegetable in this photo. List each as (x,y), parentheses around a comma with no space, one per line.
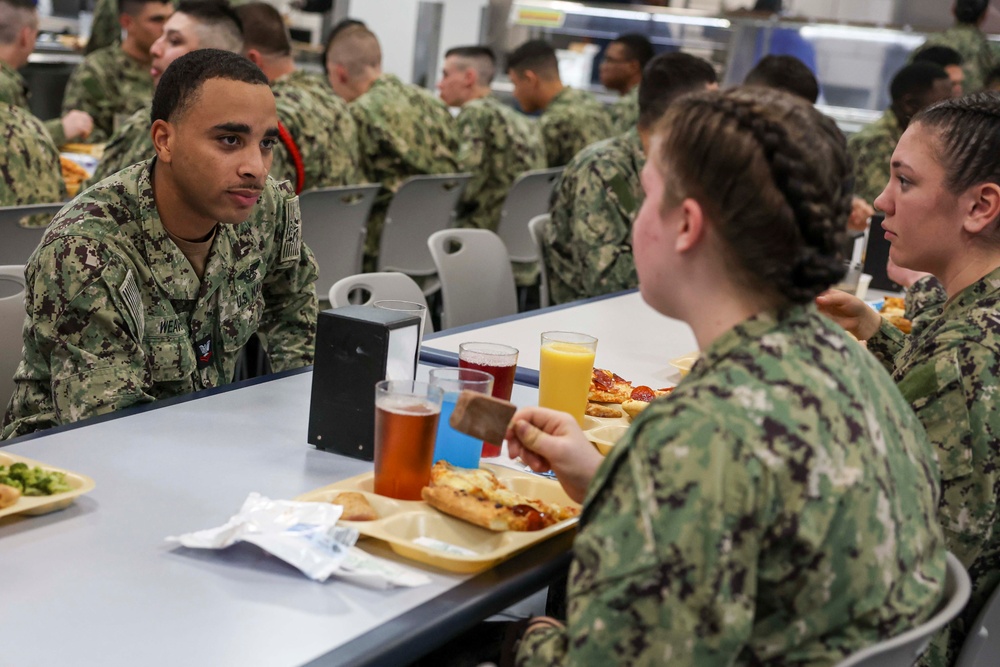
(33,481)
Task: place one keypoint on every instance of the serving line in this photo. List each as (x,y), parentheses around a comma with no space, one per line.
(99,579)
(633,339)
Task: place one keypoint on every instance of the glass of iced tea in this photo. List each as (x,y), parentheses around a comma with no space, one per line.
(567,365)
(500,361)
(406,417)
(457,448)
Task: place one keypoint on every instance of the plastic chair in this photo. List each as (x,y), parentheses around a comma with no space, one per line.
(11,323)
(477,283)
(19,242)
(537,227)
(982,645)
(364,288)
(334,227)
(904,650)
(421,206)
(528,198)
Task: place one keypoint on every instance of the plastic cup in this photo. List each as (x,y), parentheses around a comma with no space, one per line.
(406,418)
(416,309)
(500,361)
(567,365)
(457,448)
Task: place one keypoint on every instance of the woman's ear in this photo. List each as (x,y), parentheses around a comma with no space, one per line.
(691,226)
(984,207)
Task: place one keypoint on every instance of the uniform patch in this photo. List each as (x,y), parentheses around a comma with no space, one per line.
(291,245)
(204,351)
(129,292)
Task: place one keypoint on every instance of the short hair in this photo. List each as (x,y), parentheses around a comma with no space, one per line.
(944,56)
(915,79)
(134,7)
(356,48)
(336,30)
(14,15)
(535,55)
(480,58)
(786,73)
(667,77)
(181,84)
(637,47)
(970,11)
(264,29)
(218,27)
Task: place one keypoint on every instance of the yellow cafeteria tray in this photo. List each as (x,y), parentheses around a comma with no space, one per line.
(34,505)
(403,521)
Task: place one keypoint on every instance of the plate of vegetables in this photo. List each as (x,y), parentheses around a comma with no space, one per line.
(30,487)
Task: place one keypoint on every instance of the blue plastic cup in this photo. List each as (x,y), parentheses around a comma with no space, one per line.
(457,448)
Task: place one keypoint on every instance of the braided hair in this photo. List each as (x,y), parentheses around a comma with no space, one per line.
(968,138)
(773,174)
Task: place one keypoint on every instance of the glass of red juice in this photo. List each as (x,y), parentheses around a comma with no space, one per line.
(500,361)
(406,418)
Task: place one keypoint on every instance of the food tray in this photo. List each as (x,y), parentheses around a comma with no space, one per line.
(34,505)
(403,521)
(684,362)
(604,432)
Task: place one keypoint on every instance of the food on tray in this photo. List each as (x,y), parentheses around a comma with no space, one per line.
(893,308)
(477,496)
(33,481)
(356,506)
(641,397)
(608,387)
(8,495)
(73,174)
(602,411)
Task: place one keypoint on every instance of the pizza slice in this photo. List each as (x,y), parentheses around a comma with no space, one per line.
(608,387)
(641,397)
(477,496)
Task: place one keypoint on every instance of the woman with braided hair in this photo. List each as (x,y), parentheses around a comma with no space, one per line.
(746,518)
(942,217)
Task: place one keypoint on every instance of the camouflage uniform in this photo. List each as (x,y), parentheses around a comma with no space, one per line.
(105,30)
(117,315)
(323,130)
(871,149)
(14,90)
(779,508)
(625,112)
(109,85)
(29,163)
(496,145)
(403,131)
(588,245)
(947,368)
(978,58)
(130,144)
(572,121)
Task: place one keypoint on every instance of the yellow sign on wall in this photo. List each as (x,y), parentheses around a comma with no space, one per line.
(536,16)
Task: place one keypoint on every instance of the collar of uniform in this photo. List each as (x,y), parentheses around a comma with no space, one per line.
(386,80)
(9,72)
(986,286)
(563,97)
(635,145)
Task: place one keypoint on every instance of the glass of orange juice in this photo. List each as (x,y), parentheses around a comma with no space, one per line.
(566,368)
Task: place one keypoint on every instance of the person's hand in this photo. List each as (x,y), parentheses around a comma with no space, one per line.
(850,312)
(860,212)
(901,276)
(77,125)
(552,440)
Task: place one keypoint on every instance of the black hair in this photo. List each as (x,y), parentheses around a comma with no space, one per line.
(211,12)
(264,29)
(786,73)
(535,55)
(667,77)
(970,11)
(180,84)
(637,47)
(133,7)
(968,145)
(472,52)
(915,79)
(944,56)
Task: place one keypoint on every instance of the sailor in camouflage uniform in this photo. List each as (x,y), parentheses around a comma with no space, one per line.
(571,119)
(588,244)
(914,87)
(621,68)
(319,127)
(29,162)
(114,82)
(135,296)
(779,507)
(195,25)
(403,130)
(966,37)
(949,365)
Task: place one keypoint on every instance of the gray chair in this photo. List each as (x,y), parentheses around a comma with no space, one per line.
(477,283)
(19,242)
(365,288)
(905,649)
(421,206)
(334,227)
(982,646)
(537,229)
(11,324)
(528,198)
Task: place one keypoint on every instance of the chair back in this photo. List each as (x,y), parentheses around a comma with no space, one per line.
(537,229)
(528,197)
(11,324)
(982,645)
(19,242)
(421,206)
(364,288)
(477,283)
(905,649)
(333,226)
